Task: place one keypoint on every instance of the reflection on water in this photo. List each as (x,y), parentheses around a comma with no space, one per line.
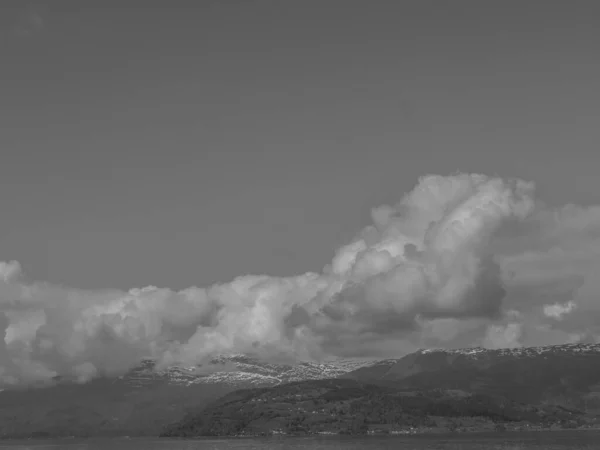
(537,441)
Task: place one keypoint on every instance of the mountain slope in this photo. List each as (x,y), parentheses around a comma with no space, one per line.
(565,374)
(145,399)
(351,407)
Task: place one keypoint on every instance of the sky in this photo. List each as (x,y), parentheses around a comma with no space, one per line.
(187,144)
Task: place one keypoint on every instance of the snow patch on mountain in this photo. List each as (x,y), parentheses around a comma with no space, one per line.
(241,370)
(245,371)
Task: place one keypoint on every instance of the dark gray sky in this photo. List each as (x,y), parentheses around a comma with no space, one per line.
(183,143)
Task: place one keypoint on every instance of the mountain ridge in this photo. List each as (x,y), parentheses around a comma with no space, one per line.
(567,374)
(430,390)
(433,358)
(247,370)
(148,396)
(250,370)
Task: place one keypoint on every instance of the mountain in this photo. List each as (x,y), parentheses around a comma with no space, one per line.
(346,406)
(143,400)
(432,390)
(146,398)
(567,375)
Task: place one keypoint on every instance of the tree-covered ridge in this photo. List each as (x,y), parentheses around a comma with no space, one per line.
(349,406)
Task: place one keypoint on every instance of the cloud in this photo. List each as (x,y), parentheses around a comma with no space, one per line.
(503,336)
(9,270)
(553,279)
(460,260)
(557,310)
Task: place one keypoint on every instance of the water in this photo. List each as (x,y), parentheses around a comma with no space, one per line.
(574,440)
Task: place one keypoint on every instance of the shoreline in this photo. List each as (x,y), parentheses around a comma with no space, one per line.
(399,433)
(446,434)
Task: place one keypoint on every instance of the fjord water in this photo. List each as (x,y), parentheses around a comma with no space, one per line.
(572,440)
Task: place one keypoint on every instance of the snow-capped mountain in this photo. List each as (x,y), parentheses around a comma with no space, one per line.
(246,371)
(240,370)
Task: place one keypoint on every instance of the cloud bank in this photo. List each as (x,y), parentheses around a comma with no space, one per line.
(461,260)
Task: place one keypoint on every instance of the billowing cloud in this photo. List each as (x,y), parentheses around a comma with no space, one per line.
(460,260)
(558,311)
(503,336)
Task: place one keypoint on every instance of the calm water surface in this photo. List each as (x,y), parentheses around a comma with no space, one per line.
(538,441)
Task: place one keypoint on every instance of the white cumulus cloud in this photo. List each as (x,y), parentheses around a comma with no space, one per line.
(443,266)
